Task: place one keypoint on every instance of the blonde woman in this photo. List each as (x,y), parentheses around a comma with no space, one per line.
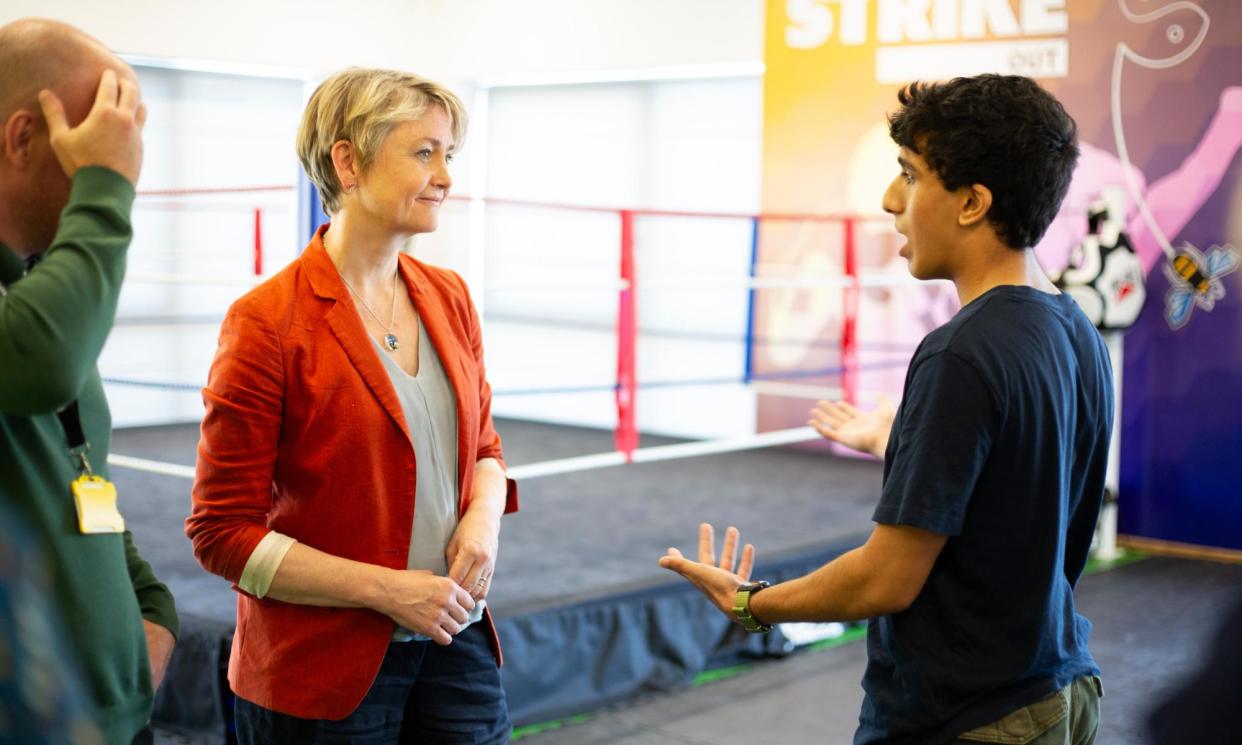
(350,481)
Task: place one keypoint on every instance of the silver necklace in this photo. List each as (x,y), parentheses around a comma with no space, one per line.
(390,339)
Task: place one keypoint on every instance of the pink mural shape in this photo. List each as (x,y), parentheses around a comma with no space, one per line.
(1174,199)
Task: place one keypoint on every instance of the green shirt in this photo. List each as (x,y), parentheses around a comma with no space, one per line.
(53,323)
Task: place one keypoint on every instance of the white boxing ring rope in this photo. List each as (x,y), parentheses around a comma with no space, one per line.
(563,465)
(764,276)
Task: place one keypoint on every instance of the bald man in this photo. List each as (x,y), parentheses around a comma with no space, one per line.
(70,155)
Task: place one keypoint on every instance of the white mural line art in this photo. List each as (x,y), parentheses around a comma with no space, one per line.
(1194,277)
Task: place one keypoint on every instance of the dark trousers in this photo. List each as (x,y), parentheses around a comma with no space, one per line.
(424,693)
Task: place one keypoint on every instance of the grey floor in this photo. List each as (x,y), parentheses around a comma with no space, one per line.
(1151,617)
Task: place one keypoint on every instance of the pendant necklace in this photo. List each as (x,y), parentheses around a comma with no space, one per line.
(390,339)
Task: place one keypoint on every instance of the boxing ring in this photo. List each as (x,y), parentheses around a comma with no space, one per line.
(585,615)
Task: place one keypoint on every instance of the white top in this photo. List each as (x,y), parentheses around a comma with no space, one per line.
(430,408)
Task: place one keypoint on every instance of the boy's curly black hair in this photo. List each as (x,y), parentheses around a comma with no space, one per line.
(1002,131)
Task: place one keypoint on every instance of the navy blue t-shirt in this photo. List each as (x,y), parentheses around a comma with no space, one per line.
(1001,443)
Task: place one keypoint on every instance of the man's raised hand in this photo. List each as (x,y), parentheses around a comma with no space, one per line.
(111,134)
(717,580)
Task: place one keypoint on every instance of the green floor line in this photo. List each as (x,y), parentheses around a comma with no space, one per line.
(1124,557)
(721,673)
(537,729)
(851,635)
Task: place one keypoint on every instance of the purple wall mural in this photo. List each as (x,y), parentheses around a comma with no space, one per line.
(1157,92)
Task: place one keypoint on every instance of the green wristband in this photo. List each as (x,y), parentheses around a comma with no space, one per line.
(741,608)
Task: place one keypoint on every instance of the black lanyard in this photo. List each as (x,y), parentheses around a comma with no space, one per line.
(69,417)
(71,420)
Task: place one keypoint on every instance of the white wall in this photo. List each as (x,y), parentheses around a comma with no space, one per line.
(502,37)
(454,40)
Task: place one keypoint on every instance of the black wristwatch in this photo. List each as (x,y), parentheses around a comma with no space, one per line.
(741,607)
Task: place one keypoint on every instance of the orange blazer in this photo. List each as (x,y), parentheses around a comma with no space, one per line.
(304,434)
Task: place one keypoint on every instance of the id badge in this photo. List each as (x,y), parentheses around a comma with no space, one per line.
(95,498)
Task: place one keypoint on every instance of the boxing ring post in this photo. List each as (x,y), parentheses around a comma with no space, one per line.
(849,323)
(627,342)
(258,241)
(749,374)
(1106,531)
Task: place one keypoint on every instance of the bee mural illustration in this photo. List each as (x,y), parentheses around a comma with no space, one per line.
(1194,279)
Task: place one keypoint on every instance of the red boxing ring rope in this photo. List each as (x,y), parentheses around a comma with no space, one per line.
(626,433)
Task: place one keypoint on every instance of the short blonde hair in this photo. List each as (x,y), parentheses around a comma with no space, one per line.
(361,106)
